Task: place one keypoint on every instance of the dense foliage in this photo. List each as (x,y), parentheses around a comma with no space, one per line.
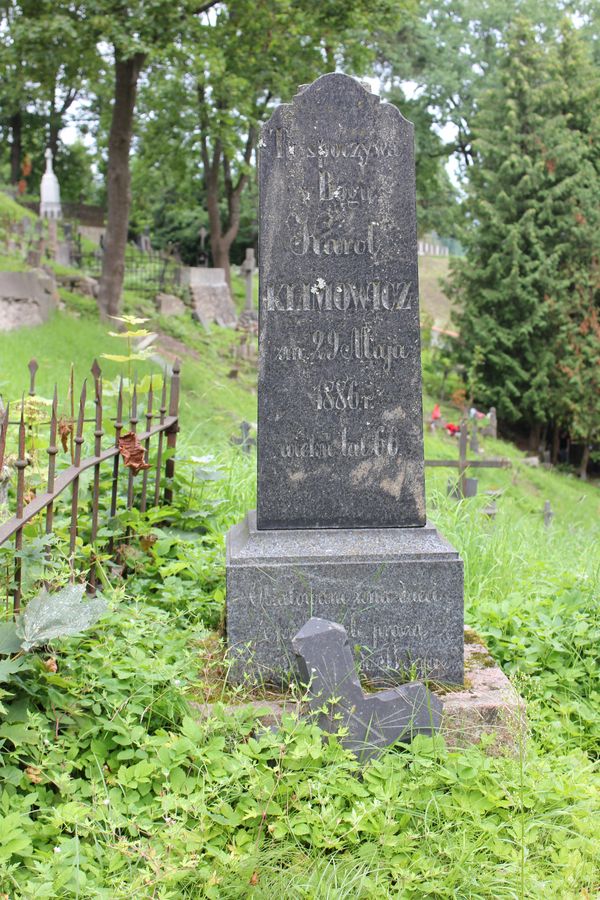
(112,783)
(529,286)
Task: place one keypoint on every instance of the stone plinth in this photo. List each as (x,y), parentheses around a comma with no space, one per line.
(397,591)
(26,299)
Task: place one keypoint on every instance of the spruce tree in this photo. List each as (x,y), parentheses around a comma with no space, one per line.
(501,284)
(569,221)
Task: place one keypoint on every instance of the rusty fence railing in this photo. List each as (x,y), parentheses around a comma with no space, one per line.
(130,450)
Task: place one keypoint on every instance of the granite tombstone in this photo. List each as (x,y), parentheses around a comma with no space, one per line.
(340,440)
(340,529)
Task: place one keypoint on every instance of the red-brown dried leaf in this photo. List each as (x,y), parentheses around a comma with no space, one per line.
(147,541)
(132,452)
(65,429)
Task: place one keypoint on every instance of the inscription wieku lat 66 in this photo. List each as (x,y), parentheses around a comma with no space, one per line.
(379,441)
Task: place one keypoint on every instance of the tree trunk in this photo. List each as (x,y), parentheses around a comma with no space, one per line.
(584,461)
(16,124)
(127,72)
(555,443)
(220,254)
(534,437)
(53,130)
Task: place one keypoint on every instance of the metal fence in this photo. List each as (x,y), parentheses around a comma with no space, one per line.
(145,271)
(159,412)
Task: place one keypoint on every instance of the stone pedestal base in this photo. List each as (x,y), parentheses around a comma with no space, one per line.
(397,591)
(487,708)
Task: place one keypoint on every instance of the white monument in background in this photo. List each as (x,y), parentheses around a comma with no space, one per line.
(50,191)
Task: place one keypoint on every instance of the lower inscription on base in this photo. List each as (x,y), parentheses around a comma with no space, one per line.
(399,628)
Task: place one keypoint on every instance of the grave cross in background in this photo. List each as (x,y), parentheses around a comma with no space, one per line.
(467,487)
(245,442)
(247,270)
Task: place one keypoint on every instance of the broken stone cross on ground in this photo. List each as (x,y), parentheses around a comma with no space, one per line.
(372,721)
(340,531)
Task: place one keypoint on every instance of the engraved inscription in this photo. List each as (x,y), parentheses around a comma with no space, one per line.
(334,345)
(343,394)
(398,661)
(340,296)
(320,600)
(340,436)
(321,238)
(323,149)
(376,442)
(332,190)
(362,346)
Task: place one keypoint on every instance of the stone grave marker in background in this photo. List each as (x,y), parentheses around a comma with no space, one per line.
(491,429)
(474,442)
(247,269)
(341,531)
(211,297)
(169,304)
(35,253)
(26,298)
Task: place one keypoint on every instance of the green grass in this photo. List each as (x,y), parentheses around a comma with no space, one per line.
(109,786)
(10,207)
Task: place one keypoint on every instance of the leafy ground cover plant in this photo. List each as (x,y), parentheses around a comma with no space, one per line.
(112,784)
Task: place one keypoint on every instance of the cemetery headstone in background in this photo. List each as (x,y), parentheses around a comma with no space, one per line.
(169,305)
(491,429)
(26,298)
(211,297)
(340,531)
(247,269)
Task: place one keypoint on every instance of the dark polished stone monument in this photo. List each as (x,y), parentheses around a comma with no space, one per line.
(340,529)
(340,436)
